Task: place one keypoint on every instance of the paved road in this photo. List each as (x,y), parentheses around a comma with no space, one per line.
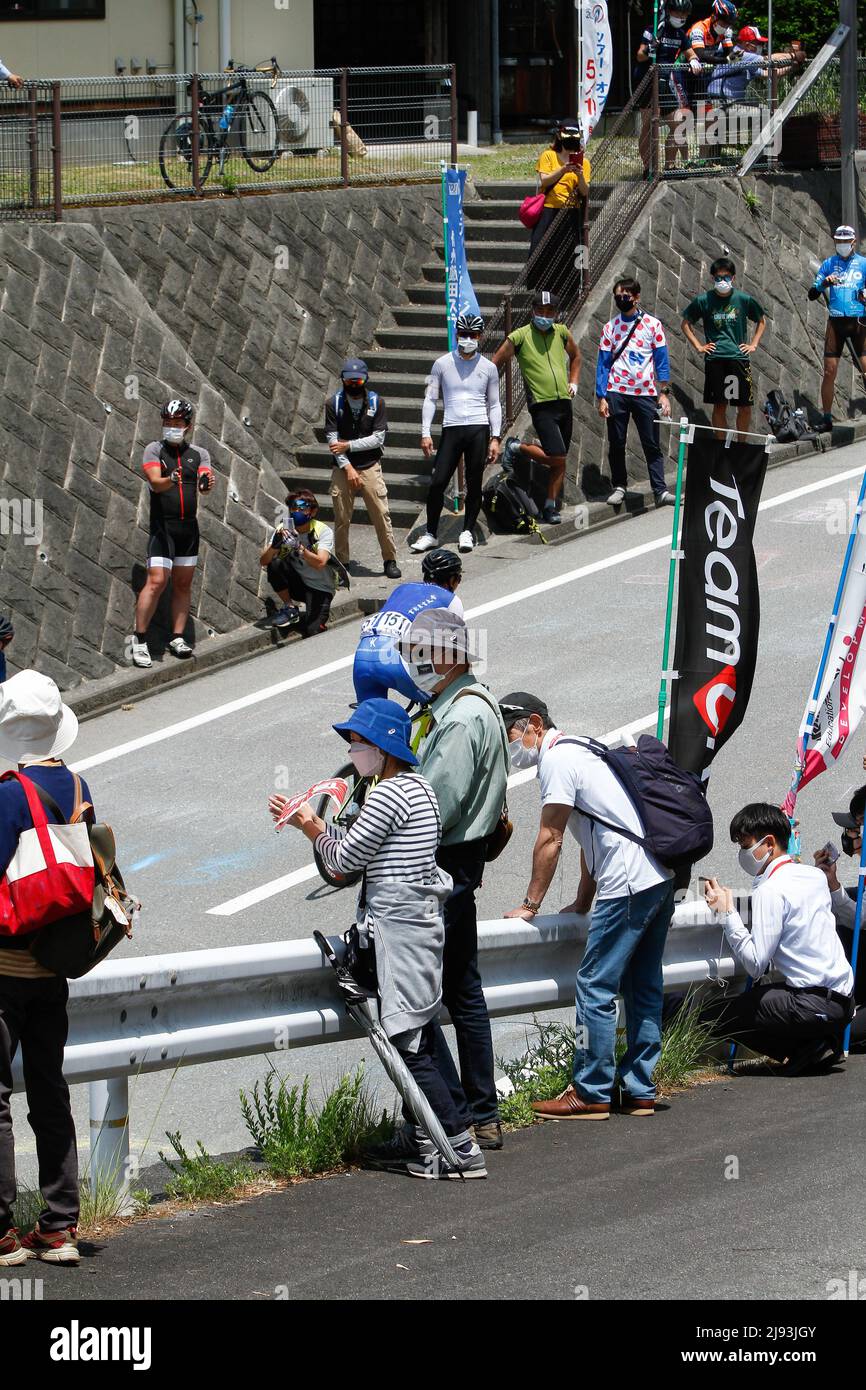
(601,1211)
(580,624)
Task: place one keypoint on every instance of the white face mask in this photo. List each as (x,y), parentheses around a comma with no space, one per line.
(369,761)
(844,249)
(750,863)
(467,345)
(677,21)
(720,30)
(522,757)
(423,674)
(173,434)
(723,287)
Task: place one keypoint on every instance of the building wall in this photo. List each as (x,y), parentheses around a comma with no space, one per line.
(144,29)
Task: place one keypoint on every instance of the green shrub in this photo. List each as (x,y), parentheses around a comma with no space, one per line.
(297,1139)
(199,1177)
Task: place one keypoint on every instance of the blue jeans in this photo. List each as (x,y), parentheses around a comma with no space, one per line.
(645,412)
(623,955)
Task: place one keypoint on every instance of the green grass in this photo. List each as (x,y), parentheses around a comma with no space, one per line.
(198,1177)
(297,1139)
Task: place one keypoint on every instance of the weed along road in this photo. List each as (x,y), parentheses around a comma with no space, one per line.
(184,776)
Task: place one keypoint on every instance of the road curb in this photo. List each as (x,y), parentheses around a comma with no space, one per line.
(127,686)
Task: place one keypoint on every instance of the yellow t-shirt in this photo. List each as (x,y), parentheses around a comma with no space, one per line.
(560,193)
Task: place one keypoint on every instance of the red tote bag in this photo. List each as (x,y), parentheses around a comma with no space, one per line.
(531,209)
(51,873)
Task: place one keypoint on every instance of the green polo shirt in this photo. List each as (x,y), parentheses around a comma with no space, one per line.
(543,361)
(465,759)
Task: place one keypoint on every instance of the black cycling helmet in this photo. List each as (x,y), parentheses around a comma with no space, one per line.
(680,6)
(441,564)
(470,323)
(7,631)
(178,406)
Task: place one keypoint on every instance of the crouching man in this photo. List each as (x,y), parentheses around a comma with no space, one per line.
(800,1020)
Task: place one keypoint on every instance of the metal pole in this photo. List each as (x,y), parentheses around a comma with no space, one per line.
(849,111)
(225,32)
(509,379)
(655,126)
(196,137)
(672,575)
(33,136)
(495,115)
(858,917)
(771,71)
(56,152)
(109,1134)
(453,116)
(344,126)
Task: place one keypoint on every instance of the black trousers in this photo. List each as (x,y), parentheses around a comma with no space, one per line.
(317,602)
(471,442)
(424,1068)
(462,992)
(33,1016)
(644,411)
(778,1021)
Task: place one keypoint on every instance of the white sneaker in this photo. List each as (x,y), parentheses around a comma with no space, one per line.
(466,541)
(178,647)
(617,497)
(665,499)
(140,654)
(424,542)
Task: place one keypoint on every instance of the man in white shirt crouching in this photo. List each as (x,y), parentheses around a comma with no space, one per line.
(800,1019)
(634,903)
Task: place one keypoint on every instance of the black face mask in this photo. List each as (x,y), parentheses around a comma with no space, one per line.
(355,391)
(624,302)
(849,841)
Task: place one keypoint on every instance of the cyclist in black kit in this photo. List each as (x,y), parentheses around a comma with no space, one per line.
(176,472)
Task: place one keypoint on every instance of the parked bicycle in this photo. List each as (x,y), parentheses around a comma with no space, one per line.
(236,111)
(345,815)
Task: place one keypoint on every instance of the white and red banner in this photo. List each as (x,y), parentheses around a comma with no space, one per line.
(334,787)
(841,698)
(595,63)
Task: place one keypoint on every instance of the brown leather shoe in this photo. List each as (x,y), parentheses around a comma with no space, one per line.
(631,1105)
(569,1106)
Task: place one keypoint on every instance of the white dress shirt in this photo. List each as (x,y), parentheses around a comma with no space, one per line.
(572,776)
(845,909)
(793,929)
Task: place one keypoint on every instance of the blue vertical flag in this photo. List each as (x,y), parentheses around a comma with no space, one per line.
(459,294)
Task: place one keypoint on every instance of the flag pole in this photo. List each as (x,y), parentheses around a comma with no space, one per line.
(858,917)
(672,574)
(812,706)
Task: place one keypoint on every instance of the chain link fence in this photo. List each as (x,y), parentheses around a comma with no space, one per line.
(117,139)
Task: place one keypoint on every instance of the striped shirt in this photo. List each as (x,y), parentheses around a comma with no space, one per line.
(394,838)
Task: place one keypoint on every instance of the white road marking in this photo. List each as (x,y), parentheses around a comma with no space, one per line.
(270,692)
(281,885)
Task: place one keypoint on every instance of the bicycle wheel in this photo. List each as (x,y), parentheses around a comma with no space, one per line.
(175,151)
(258,133)
(344,816)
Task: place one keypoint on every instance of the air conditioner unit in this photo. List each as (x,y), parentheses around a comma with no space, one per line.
(305,106)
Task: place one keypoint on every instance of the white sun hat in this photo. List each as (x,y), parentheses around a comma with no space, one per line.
(34,722)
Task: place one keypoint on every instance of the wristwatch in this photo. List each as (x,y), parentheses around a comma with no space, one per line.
(530,905)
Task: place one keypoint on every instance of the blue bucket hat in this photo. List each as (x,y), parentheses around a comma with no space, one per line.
(383,723)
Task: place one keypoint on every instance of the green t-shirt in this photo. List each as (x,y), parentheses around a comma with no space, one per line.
(543,361)
(725,319)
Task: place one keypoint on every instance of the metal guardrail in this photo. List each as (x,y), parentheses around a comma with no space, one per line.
(82,141)
(153,1013)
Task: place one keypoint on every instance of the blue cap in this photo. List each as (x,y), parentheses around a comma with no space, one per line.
(383,723)
(354,366)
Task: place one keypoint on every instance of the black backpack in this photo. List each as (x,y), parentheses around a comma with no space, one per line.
(509,510)
(671,802)
(788,426)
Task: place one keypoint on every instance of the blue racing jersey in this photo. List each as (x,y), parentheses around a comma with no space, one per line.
(845,302)
(403,606)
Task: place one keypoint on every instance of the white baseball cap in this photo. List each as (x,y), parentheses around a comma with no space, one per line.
(34,722)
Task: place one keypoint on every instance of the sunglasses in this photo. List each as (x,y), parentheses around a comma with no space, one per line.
(354,381)
(298,504)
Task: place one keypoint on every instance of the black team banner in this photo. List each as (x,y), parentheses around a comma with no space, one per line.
(718,612)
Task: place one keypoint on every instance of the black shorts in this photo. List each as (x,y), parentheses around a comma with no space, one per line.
(838,330)
(554,422)
(173,545)
(728,381)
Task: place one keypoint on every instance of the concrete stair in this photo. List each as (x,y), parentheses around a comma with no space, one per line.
(403,352)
